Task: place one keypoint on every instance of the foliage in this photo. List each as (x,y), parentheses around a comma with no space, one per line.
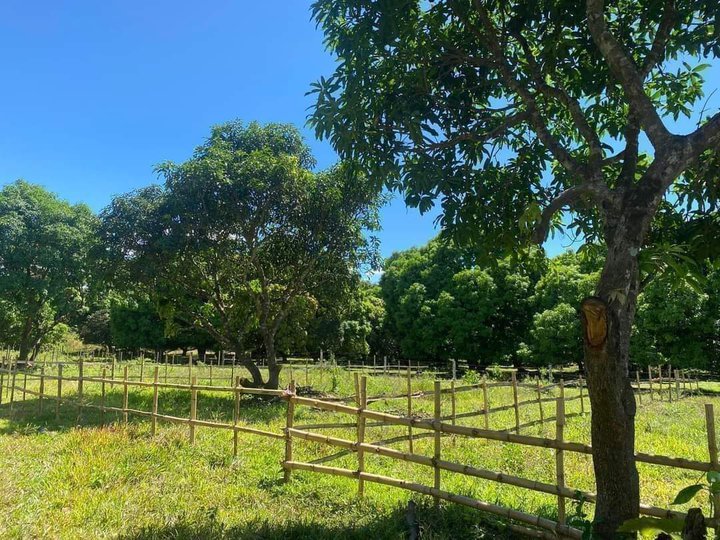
(44,245)
(241,232)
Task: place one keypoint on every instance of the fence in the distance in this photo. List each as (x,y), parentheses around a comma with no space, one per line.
(437,427)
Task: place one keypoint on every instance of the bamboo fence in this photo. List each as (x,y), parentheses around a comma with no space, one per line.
(672,386)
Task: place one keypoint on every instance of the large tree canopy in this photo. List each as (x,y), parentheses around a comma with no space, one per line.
(509,112)
(242,233)
(44,246)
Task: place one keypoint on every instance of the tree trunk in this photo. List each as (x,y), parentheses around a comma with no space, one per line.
(247,363)
(607,322)
(25,345)
(273,381)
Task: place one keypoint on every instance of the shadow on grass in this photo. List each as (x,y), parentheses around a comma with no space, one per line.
(26,415)
(448,522)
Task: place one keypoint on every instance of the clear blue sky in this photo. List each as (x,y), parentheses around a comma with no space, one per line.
(94,93)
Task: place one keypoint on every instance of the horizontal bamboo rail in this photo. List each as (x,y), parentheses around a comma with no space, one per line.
(507,513)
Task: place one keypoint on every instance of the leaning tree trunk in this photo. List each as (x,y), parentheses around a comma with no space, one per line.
(25,345)
(247,363)
(273,381)
(607,323)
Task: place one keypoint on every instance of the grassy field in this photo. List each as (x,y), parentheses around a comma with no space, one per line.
(73,478)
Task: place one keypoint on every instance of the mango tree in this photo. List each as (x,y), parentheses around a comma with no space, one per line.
(511,112)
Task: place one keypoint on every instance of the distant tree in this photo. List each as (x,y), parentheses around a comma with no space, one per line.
(510,112)
(554,338)
(135,324)
(44,245)
(241,233)
(672,325)
(96,328)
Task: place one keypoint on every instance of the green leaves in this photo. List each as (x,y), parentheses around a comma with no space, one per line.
(686,494)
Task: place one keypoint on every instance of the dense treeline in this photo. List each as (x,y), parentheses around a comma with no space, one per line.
(441,304)
(245,248)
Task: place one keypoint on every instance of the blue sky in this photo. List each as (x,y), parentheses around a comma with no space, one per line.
(94,94)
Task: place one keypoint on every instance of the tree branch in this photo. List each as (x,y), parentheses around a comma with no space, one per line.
(500,61)
(560,93)
(625,71)
(598,192)
(657,50)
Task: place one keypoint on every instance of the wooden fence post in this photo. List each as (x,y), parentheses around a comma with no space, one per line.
(236,416)
(42,390)
(559,457)
(486,403)
(24,390)
(211,370)
(153,425)
(125,394)
(193,408)
(59,393)
(190,368)
(652,397)
(539,399)
(2,384)
(290,418)
(670,382)
(409,407)
(713,451)
(166,368)
(639,389)
(361,435)
(660,382)
(438,440)
(677,384)
(582,397)
(452,402)
(102,396)
(142,367)
(81,372)
(12,390)
(515,402)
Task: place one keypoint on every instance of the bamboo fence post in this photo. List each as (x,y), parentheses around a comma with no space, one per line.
(211,377)
(361,435)
(356,380)
(142,367)
(515,403)
(288,426)
(713,451)
(236,416)
(102,396)
(409,407)
(42,390)
(190,368)
(24,390)
(486,403)
(59,393)
(112,369)
(2,383)
(582,396)
(559,455)
(660,376)
(677,384)
(438,440)
(452,401)
(539,400)
(193,408)
(153,425)
(670,382)
(166,367)
(307,378)
(639,390)
(12,391)
(652,397)
(125,394)
(81,372)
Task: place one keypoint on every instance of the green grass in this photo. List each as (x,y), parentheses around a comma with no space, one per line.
(73,478)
